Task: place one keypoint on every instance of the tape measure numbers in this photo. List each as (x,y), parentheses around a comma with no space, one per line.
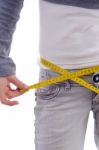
(65,75)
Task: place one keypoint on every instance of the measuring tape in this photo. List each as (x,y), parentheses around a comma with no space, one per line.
(65,75)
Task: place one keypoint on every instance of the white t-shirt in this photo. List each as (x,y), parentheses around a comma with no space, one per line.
(69,35)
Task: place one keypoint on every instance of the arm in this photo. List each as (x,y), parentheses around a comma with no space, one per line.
(9,15)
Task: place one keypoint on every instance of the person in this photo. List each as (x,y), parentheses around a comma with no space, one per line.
(69,37)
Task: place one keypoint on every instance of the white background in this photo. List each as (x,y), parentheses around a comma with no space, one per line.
(17,122)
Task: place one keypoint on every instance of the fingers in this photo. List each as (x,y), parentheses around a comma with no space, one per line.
(7,93)
(9,103)
(6,101)
(18,83)
(13,93)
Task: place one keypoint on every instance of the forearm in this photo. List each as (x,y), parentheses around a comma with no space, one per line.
(9,15)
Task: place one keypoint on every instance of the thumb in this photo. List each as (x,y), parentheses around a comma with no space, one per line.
(18,83)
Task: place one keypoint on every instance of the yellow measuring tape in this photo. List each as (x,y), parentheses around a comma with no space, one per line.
(65,75)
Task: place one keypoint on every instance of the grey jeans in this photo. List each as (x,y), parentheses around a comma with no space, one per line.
(61,113)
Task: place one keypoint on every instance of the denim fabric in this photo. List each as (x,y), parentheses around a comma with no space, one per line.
(9,15)
(91,4)
(61,113)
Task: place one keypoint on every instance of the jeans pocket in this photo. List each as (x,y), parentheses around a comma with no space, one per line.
(49,91)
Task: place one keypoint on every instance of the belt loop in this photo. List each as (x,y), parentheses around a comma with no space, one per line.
(67,85)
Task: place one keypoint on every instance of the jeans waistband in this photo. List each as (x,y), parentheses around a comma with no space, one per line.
(51,73)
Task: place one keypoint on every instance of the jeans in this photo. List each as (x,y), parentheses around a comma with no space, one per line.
(61,113)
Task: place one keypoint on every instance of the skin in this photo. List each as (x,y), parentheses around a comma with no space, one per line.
(7,93)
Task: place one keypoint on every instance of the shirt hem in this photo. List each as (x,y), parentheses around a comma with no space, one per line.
(73,66)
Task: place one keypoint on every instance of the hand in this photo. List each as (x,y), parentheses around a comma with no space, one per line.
(6,92)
